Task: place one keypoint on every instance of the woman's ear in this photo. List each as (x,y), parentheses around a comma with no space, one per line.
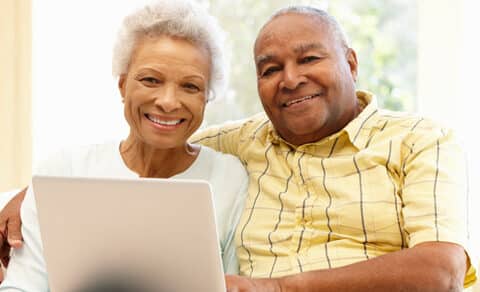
(121,85)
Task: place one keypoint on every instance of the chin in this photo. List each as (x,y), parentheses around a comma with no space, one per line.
(163,143)
(305,127)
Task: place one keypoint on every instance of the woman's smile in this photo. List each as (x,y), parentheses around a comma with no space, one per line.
(164,123)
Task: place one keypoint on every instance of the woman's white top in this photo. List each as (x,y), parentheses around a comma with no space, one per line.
(27,271)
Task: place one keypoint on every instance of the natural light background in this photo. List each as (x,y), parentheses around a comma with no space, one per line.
(448,78)
(76,100)
(417,55)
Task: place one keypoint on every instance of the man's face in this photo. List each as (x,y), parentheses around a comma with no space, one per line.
(306,78)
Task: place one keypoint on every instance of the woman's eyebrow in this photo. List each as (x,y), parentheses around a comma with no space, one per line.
(195,76)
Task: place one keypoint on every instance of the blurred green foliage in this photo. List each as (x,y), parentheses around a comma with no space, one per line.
(382,32)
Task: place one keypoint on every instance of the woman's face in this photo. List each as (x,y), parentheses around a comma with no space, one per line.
(165,90)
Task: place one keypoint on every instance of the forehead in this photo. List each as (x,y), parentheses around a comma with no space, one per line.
(151,51)
(293,30)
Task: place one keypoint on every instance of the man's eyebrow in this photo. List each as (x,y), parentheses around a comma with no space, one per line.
(310,46)
(262,59)
(299,49)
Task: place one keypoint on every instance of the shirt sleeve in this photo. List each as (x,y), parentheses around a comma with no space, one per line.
(27,271)
(224,138)
(435,192)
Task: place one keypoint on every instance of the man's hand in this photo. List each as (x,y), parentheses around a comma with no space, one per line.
(244,284)
(10,227)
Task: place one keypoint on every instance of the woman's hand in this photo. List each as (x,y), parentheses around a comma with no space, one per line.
(10,228)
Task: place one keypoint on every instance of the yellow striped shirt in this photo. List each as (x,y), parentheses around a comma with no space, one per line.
(386,182)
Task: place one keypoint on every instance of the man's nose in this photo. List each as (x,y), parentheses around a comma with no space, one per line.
(293,77)
(167,99)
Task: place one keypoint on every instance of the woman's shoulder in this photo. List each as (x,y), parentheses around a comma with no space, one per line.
(227,172)
(229,181)
(77,159)
(222,161)
(106,149)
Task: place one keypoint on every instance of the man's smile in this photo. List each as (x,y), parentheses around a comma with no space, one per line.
(301,99)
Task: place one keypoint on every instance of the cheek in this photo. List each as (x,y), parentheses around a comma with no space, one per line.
(135,98)
(131,112)
(197,110)
(127,112)
(343,76)
(329,73)
(266,91)
(199,114)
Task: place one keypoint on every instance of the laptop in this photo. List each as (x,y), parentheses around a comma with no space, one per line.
(148,235)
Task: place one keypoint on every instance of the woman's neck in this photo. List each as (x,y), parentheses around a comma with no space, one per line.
(148,161)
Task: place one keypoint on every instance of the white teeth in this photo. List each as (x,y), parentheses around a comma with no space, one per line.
(165,123)
(299,100)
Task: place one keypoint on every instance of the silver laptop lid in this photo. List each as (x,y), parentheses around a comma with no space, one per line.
(137,234)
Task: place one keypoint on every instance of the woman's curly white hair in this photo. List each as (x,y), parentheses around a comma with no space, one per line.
(177,18)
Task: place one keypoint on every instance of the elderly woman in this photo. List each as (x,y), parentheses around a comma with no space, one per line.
(168,61)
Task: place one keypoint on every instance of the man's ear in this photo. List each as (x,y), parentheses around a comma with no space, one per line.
(121,85)
(352,62)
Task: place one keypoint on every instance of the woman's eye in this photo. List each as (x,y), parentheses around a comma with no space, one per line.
(150,81)
(191,87)
(269,71)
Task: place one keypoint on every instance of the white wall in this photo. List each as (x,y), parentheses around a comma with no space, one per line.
(469,113)
(75,100)
(448,79)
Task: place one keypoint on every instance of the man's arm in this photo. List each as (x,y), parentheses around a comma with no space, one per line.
(10,226)
(226,137)
(57,163)
(26,270)
(220,138)
(431,266)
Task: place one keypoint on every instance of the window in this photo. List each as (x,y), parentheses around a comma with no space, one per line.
(76,100)
(383,33)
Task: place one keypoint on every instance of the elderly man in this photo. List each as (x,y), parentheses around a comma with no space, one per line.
(343,196)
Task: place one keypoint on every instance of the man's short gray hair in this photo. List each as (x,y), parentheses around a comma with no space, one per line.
(176,18)
(319,14)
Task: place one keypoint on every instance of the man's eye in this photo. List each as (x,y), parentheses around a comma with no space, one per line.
(191,87)
(309,59)
(269,71)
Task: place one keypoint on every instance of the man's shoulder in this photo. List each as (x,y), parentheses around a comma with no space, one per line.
(246,125)
(240,128)
(409,122)
(411,128)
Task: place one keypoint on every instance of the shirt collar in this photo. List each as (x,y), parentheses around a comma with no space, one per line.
(356,129)
(359,128)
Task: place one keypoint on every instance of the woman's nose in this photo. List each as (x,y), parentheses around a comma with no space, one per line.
(167,99)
